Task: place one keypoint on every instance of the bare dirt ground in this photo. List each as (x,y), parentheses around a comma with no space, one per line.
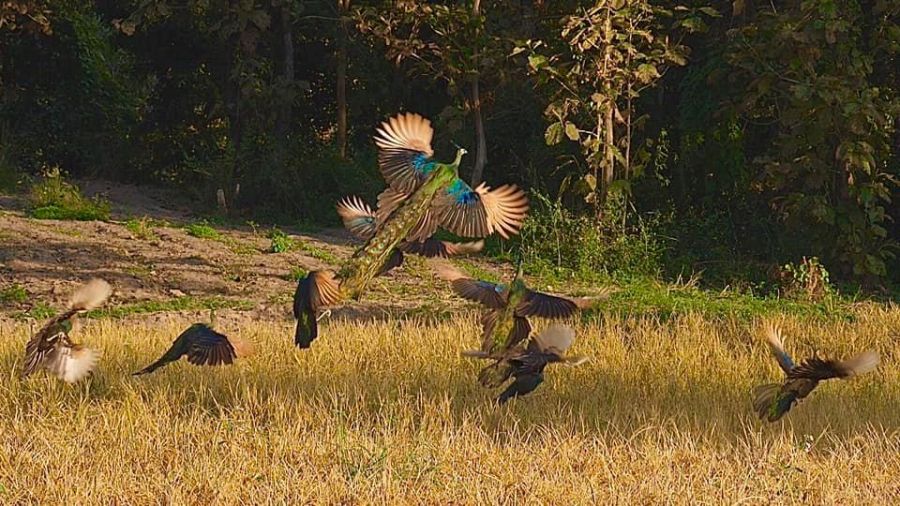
(49,258)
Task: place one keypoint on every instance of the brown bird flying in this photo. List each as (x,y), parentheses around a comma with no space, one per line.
(774,400)
(53,349)
(202,346)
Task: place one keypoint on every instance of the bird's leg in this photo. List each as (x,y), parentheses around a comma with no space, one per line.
(324,314)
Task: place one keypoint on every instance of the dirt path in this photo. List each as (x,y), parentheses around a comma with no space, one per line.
(48,258)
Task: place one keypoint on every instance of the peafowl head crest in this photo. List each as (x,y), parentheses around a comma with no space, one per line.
(460,151)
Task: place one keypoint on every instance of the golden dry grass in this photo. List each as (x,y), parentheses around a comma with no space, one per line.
(389,413)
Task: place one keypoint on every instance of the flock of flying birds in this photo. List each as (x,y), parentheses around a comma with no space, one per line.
(422,196)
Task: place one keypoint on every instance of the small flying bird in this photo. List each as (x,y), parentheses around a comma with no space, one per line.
(362,222)
(774,400)
(317,290)
(202,346)
(527,365)
(53,349)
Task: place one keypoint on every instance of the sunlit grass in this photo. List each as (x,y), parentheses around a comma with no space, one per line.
(387,412)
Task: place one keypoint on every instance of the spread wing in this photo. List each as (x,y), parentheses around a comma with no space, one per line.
(482,211)
(549,306)
(773,337)
(404,151)
(483,292)
(819,369)
(357,216)
(44,342)
(208,347)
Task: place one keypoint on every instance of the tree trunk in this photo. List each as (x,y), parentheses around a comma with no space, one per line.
(285,113)
(341,84)
(481,139)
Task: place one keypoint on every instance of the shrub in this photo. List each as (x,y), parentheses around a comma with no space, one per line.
(281,242)
(53,198)
(555,239)
(142,228)
(14,294)
(809,279)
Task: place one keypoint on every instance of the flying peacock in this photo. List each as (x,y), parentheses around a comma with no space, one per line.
(772,401)
(505,324)
(423,195)
(528,363)
(362,222)
(202,346)
(53,349)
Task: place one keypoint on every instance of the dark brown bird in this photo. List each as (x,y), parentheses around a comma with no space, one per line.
(53,349)
(774,400)
(527,364)
(202,346)
(317,290)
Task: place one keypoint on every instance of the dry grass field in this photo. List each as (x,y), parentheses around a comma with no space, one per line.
(386,412)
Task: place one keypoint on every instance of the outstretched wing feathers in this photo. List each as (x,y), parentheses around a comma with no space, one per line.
(404,151)
(822,369)
(357,216)
(776,345)
(208,347)
(481,212)
(203,346)
(549,306)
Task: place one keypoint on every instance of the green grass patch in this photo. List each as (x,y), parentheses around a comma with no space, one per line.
(186,303)
(203,230)
(318,253)
(651,298)
(53,198)
(281,242)
(14,294)
(296,274)
(39,311)
(142,228)
(476,271)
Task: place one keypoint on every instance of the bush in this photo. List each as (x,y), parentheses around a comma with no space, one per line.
(52,198)
(14,294)
(281,242)
(557,240)
(141,228)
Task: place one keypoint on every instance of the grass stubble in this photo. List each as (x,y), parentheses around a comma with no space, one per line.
(388,412)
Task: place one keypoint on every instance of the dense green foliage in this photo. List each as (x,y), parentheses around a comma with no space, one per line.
(669,137)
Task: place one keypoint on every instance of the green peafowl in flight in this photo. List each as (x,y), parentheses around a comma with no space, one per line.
(423,195)
(528,363)
(362,222)
(505,324)
(772,401)
(202,346)
(53,349)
